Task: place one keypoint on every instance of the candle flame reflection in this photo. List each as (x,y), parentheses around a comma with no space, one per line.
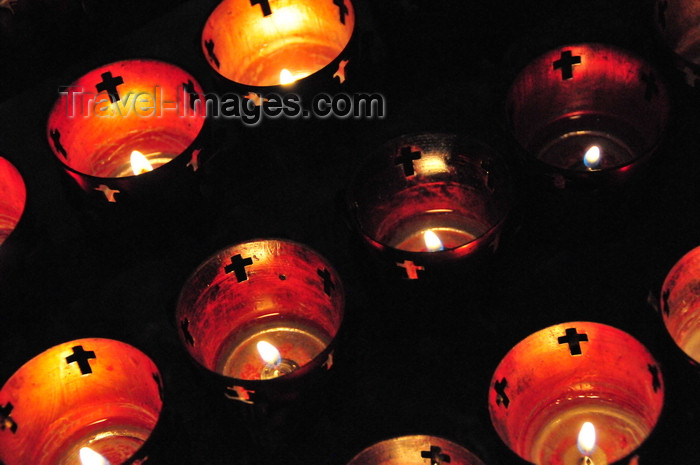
(139,163)
(432,241)
(592,157)
(586,438)
(90,457)
(269,353)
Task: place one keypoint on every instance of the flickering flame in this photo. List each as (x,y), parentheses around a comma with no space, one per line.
(286,77)
(592,157)
(586,438)
(139,163)
(432,242)
(90,457)
(269,353)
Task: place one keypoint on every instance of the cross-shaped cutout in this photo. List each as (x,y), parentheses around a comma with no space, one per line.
(56,139)
(566,63)
(189,89)
(159,383)
(652,88)
(664,301)
(343,9)
(185,327)
(435,455)
(264,5)
(328,284)
(110,84)
(501,396)
(237,266)
(407,157)
(209,46)
(655,379)
(411,269)
(82,358)
(574,340)
(340,73)
(5,421)
(108,192)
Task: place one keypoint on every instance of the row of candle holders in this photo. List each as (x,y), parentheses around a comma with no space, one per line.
(262,316)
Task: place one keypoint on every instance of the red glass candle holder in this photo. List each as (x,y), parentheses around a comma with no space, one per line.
(429,199)
(680,304)
(270,43)
(416,450)
(588,112)
(126,122)
(557,379)
(13,198)
(96,393)
(261,316)
(678,22)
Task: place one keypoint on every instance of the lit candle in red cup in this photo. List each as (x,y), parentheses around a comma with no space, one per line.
(97,394)
(587,112)
(431,199)
(277,42)
(145,107)
(261,315)
(576,393)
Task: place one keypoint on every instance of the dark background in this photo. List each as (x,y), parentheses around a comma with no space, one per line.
(413,358)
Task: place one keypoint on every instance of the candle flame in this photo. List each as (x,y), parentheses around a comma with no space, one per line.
(592,157)
(139,163)
(269,353)
(586,438)
(90,457)
(432,241)
(286,77)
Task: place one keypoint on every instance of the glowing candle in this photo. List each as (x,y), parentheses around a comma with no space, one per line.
(431,198)
(270,44)
(146,105)
(139,163)
(586,439)
(586,451)
(84,402)
(592,157)
(260,310)
(568,371)
(432,241)
(275,365)
(90,457)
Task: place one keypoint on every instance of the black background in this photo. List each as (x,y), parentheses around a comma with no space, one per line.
(413,358)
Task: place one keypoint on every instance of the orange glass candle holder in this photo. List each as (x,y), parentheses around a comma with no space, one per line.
(416,450)
(269,43)
(587,113)
(127,120)
(13,198)
(99,394)
(261,316)
(424,200)
(566,376)
(680,304)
